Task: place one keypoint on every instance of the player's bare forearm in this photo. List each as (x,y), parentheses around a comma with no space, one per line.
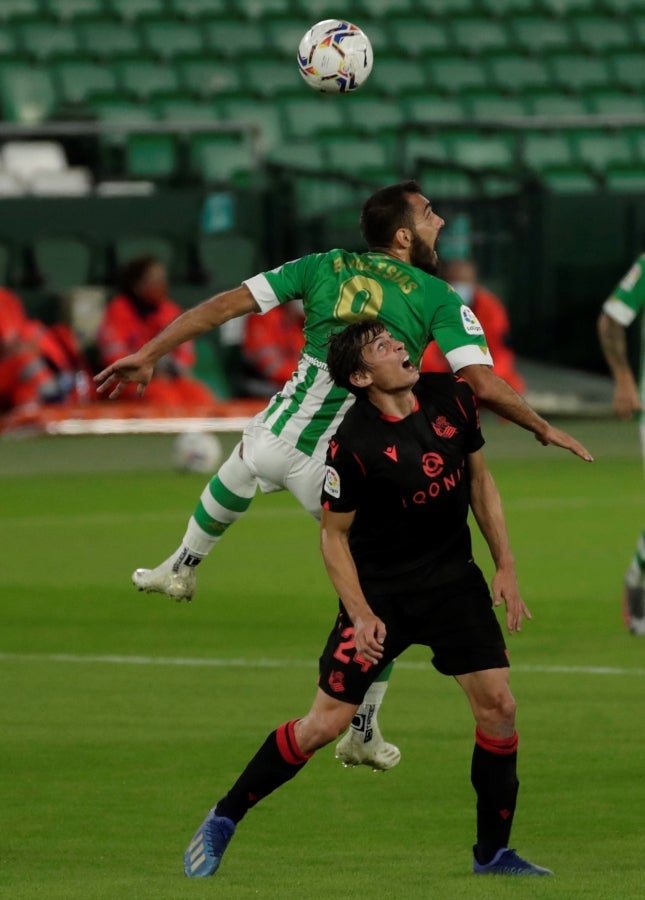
(139,366)
(497,395)
(613,342)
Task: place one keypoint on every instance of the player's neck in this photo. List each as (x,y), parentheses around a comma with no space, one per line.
(393,404)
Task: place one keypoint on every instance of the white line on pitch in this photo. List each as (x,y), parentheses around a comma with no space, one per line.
(260,663)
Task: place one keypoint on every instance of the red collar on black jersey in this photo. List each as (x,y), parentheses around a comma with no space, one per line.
(400,418)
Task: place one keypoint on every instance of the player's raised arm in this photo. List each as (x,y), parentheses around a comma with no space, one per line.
(613,342)
(496,394)
(369,630)
(139,367)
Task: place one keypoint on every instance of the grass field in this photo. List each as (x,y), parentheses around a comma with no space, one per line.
(125,716)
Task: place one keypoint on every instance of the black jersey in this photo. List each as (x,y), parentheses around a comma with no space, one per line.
(407,480)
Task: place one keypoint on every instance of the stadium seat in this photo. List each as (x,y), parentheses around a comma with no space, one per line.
(416,36)
(13,10)
(392,75)
(73,10)
(508,9)
(423,106)
(9,46)
(370,113)
(283,34)
(62,263)
(624,7)
(44,40)
(381,9)
(305,115)
(26,158)
(143,79)
(269,76)
(540,34)
(443,183)
(73,182)
(117,112)
(317,196)
(625,179)
(445,9)
(241,108)
(637,139)
(569,180)
(132,10)
(555,104)
(27,93)
(199,9)
(616,103)
(422,149)
(484,151)
(486,107)
(230,38)
(129,247)
(541,151)
(219,158)
(181,111)
(628,70)
(226,259)
(108,40)
(207,77)
(565,7)
(152,156)
(262,9)
(302,154)
(166,39)
(356,156)
(575,72)
(600,34)
(78,81)
(516,74)
(597,150)
(480,36)
(455,74)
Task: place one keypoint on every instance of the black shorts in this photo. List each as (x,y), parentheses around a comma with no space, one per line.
(455,620)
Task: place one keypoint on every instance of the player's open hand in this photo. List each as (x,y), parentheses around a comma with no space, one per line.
(505,589)
(562,439)
(369,634)
(128,370)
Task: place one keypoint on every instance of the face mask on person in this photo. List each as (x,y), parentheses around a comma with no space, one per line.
(466,291)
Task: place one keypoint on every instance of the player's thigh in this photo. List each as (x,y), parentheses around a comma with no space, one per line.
(305,481)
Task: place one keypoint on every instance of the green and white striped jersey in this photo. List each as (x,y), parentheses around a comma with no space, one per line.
(337,288)
(626,302)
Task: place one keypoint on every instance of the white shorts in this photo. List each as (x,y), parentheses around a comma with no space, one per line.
(279,466)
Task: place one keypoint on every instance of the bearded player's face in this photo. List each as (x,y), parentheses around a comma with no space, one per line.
(425,231)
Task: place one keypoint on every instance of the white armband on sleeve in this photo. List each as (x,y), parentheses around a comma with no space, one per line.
(470,355)
(263,293)
(618,311)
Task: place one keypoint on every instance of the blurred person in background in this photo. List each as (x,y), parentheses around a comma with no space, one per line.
(271,348)
(626,302)
(136,315)
(492,315)
(38,364)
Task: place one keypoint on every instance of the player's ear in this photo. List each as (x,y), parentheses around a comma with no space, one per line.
(402,238)
(360,379)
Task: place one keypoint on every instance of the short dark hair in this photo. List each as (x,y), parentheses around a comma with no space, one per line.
(385,212)
(345,354)
(134,270)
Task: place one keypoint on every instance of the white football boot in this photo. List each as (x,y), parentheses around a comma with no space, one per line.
(177,582)
(353,750)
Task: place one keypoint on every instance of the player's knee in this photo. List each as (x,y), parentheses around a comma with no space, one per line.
(496,710)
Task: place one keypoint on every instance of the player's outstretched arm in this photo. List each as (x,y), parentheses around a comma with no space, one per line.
(613,342)
(497,395)
(139,366)
(486,504)
(369,630)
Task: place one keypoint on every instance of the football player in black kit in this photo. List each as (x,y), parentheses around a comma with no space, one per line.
(403,470)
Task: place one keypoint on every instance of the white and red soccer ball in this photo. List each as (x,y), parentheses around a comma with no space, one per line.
(335,57)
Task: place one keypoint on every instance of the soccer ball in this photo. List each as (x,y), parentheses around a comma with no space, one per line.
(335,57)
(197,451)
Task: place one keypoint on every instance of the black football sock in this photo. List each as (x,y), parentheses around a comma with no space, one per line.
(494,777)
(277,761)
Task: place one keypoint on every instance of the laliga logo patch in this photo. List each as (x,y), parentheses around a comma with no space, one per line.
(332,482)
(470,320)
(631,278)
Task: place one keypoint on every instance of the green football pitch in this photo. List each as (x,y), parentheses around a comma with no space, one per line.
(125,716)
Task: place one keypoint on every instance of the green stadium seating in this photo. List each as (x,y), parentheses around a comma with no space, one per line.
(380,9)
(370,113)
(180,110)
(566,7)
(73,10)
(13,10)
(628,70)
(456,74)
(600,34)
(62,263)
(45,40)
(226,259)
(624,7)
(302,154)
(508,9)
(208,77)
(422,106)
(616,103)
(78,81)
(556,105)
(219,158)
(108,40)
(483,151)
(235,39)
(446,9)
(486,107)
(354,155)
(9,45)
(283,34)
(569,180)
(269,76)
(241,108)
(539,34)
(143,79)
(517,74)
(575,72)
(27,93)
(442,183)
(393,75)
(132,10)
(152,156)
(541,151)
(420,148)
(416,36)
(199,9)
(598,150)
(305,115)
(262,9)
(637,137)
(128,247)
(317,197)
(166,39)
(480,35)
(118,112)
(627,179)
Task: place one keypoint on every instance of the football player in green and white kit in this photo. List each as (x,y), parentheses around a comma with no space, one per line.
(284,447)
(617,314)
